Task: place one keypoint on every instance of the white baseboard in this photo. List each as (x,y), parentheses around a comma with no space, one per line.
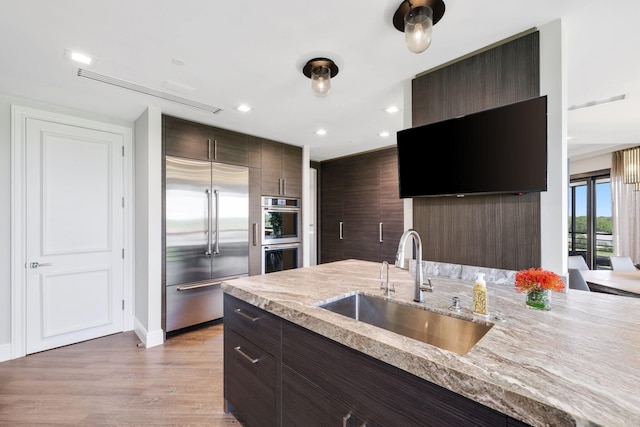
(5,352)
(149,339)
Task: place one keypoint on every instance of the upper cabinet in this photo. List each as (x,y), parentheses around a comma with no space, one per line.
(193,140)
(281,169)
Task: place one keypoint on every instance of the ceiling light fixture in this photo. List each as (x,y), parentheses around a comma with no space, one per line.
(244,108)
(416,19)
(79,57)
(321,132)
(320,71)
(384,134)
(392,109)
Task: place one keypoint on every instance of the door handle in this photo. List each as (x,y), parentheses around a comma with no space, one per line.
(340,233)
(37,264)
(380,232)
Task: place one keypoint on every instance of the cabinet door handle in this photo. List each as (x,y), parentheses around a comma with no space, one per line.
(255,234)
(284,187)
(215,149)
(209,149)
(245,355)
(345,420)
(340,234)
(380,232)
(246,316)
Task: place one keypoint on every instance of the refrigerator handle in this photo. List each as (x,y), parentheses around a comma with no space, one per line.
(217,247)
(208,251)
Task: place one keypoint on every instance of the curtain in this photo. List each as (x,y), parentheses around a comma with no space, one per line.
(625,205)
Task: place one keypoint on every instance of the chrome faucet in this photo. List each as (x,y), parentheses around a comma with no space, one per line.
(387,288)
(419,286)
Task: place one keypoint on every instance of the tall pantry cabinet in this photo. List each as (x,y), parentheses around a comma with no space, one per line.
(361,214)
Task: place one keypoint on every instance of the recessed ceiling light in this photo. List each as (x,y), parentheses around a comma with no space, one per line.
(384,134)
(321,132)
(244,108)
(78,57)
(177,61)
(392,109)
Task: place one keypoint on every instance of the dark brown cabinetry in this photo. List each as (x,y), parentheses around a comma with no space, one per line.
(251,363)
(281,169)
(384,395)
(361,212)
(193,140)
(279,374)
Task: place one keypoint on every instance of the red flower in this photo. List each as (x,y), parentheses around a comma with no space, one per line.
(538,279)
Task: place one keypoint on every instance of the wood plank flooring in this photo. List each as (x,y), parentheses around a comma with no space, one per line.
(109,381)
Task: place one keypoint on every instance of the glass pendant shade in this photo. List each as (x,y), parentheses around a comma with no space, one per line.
(321,80)
(418,27)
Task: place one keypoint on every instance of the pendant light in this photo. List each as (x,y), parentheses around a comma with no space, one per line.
(320,71)
(416,19)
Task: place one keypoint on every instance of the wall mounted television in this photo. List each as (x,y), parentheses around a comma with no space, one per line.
(499,150)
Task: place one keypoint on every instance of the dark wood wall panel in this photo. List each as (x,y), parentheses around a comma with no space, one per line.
(496,231)
(480,231)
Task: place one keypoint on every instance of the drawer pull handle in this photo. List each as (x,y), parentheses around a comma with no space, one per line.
(198,286)
(246,316)
(245,355)
(345,420)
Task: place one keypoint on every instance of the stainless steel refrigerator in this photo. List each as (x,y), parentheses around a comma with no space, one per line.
(207,237)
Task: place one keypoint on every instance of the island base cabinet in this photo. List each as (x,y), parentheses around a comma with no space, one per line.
(279,374)
(382,394)
(304,404)
(250,379)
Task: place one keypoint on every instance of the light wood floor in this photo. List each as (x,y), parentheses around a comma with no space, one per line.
(111,382)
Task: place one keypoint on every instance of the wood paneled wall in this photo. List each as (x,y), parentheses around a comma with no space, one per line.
(495,231)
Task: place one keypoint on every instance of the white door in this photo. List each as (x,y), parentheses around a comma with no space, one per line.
(74,234)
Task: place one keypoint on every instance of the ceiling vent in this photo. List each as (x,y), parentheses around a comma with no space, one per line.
(147,91)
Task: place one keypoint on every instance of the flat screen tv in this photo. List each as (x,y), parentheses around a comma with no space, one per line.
(500,150)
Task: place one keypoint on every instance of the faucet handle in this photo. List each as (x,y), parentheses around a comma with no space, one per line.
(427,287)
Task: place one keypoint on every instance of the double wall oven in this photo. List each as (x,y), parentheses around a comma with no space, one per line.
(281,234)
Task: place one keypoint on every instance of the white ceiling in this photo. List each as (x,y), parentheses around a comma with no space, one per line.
(253,52)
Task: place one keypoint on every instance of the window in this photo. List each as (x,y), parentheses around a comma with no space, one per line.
(590,221)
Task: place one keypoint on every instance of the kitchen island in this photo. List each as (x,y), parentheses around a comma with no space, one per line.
(578,364)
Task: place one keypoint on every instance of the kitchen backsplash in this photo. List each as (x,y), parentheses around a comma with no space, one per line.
(464,272)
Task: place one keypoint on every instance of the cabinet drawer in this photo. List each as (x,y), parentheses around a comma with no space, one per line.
(250,380)
(256,325)
(304,404)
(379,391)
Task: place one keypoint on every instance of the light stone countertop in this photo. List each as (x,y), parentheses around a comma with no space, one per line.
(577,364)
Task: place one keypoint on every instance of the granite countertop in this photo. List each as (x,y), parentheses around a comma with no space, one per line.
(577,364)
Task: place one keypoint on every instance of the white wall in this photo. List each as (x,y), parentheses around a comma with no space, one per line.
(553,202)
(591,164)
(148,230)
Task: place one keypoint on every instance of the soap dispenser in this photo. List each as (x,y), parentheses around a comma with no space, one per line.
(480,296)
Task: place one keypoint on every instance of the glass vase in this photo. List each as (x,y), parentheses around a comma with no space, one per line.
(539,300)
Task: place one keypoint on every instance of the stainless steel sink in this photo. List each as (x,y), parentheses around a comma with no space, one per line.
(446,332)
